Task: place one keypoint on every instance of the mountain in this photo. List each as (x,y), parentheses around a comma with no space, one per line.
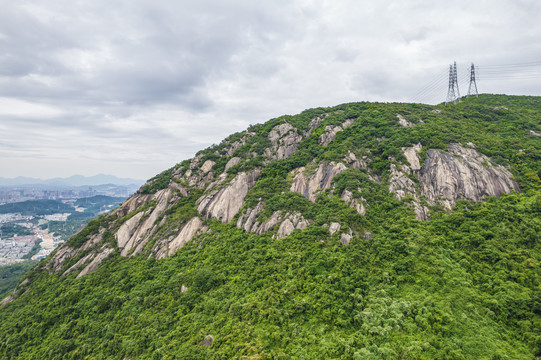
(75,180)
(362,231)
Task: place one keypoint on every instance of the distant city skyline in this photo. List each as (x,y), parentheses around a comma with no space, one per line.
(132,88)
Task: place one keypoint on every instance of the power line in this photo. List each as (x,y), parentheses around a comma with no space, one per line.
(453,93)
(495,72)
(473,83)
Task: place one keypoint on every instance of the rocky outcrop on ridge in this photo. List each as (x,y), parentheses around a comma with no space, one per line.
(132,237)
(232,162)
(102,253)
(352,161)
(356,203)
(331,131)
(231,147)
(224,203)
(412,155)
(345,237)
(284,139)
(310,185)
(403,122)
(286,222)
(444,178)
(186,234)
(462,173)
(402,185)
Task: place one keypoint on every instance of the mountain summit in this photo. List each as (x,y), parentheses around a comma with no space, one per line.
(365,230)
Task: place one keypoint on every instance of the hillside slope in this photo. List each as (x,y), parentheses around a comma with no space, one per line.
(359,231)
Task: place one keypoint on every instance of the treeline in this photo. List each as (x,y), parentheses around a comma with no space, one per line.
(36,207)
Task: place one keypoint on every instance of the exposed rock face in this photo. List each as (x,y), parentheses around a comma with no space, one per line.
(185,235)
(132,204)
(248,219)
(314,123)
(66,252)
(311,185)
(140,232)
(462,174)
(287,222)
(98,258)
(333,228)
(223,204)
(221,178)
(205,168)
(401,185)
(126,230)
(285,229)
(411,155)
(6,300)
(403,122)
(207,341)
(197,178)
(357,204)
(284,139)
(232,162)
(331,131)
(329,135)
(233,146)
(535,133)
(345,239)
(177,187)
(352,160)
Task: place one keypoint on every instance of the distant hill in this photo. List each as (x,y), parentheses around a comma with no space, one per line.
(75,180)
(36,207)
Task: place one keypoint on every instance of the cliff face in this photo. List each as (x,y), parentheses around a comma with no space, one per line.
(309,185)
(462,173)
(214,185)
(459,173)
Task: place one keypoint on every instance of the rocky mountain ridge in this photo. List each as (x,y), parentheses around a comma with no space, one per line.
(444,176)
(364,230)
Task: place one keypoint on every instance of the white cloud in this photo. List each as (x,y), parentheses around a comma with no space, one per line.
(132,87)
(16,108)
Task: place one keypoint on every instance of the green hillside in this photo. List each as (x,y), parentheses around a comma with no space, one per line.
(36,207)
(465,284)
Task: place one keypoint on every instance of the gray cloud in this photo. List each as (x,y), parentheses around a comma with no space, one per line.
(132,87)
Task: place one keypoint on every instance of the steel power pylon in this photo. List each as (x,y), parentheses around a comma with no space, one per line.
(473,84)
(453,94)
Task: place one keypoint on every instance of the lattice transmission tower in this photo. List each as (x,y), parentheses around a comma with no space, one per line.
(453,94)
(473,84)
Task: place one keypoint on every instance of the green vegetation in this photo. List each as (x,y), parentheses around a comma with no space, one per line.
(36,207)
(99,203)
(10,229)
(11,274)
(464,285)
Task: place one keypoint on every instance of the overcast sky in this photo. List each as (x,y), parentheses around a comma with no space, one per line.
(132,87)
